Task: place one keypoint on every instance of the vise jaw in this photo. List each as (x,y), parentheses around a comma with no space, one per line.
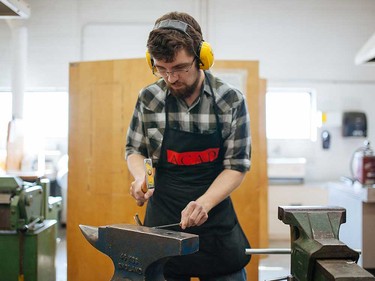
(139,252)
(316,250)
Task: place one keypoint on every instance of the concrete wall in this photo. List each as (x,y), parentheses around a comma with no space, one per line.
(307,44)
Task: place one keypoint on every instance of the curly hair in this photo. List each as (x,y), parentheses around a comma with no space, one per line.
(164,43)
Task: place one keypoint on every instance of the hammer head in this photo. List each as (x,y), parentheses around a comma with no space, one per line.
(139,252)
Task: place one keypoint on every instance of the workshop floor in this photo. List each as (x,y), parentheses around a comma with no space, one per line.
(270,268)
(61,264)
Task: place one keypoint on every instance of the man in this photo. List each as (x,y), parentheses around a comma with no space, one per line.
(195,128)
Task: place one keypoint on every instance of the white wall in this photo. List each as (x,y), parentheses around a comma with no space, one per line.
(309,44)
(306,44)
(61,32)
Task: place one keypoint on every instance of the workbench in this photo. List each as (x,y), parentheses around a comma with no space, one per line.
(359,230)
(37,256)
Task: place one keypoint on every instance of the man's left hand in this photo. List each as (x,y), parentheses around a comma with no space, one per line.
(194,214)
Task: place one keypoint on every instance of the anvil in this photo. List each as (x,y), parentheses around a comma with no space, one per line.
(139,252)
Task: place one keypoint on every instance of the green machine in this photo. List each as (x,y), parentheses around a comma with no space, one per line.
(28,230)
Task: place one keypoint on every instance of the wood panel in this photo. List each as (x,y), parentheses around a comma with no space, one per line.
(102,99)
(246,198)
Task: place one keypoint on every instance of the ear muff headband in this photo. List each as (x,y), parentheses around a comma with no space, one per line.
(204,53)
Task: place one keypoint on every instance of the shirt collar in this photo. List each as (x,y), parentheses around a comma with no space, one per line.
(208,79)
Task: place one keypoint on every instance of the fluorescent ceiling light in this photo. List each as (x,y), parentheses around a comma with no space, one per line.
(367,53)
(14,9)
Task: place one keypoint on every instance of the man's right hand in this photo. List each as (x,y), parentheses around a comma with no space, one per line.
(138,189)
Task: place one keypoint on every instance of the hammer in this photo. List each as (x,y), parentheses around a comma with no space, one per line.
(139,252)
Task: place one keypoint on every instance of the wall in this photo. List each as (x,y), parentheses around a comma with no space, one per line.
(306,44)
(331,164)
(309,44)
(62,31)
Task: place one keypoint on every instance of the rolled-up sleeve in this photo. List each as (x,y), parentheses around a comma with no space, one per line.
(238,143)
(136,140)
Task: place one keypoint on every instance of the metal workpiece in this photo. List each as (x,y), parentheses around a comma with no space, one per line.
(139,252)
(315,241)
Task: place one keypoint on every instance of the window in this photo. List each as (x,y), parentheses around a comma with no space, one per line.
(46,113)
(290,114)
(45,116)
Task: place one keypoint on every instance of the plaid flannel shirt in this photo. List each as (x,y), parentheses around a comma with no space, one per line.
(145,133)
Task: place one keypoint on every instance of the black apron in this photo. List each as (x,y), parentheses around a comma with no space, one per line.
(189,163)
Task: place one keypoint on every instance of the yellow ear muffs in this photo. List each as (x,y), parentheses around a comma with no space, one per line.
(206,56)
(149,61)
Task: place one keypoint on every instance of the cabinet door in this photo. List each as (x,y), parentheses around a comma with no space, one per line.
(102,96)
(102,99)
(250,198)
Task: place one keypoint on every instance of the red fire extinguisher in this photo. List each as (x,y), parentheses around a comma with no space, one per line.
(363,165)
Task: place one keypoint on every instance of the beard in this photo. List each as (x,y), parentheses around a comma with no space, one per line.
(183,91)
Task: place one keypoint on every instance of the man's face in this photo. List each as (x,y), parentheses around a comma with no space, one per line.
(181,75)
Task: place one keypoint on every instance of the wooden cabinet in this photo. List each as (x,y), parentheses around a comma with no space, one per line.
(102,96)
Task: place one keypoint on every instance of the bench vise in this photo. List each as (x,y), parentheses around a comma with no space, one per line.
(139,252)
(25,205)
(317,254)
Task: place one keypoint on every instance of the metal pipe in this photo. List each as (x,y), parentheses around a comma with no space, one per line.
(277,251)
(284,251)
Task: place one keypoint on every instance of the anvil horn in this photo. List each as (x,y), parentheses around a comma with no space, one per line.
(90,233)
